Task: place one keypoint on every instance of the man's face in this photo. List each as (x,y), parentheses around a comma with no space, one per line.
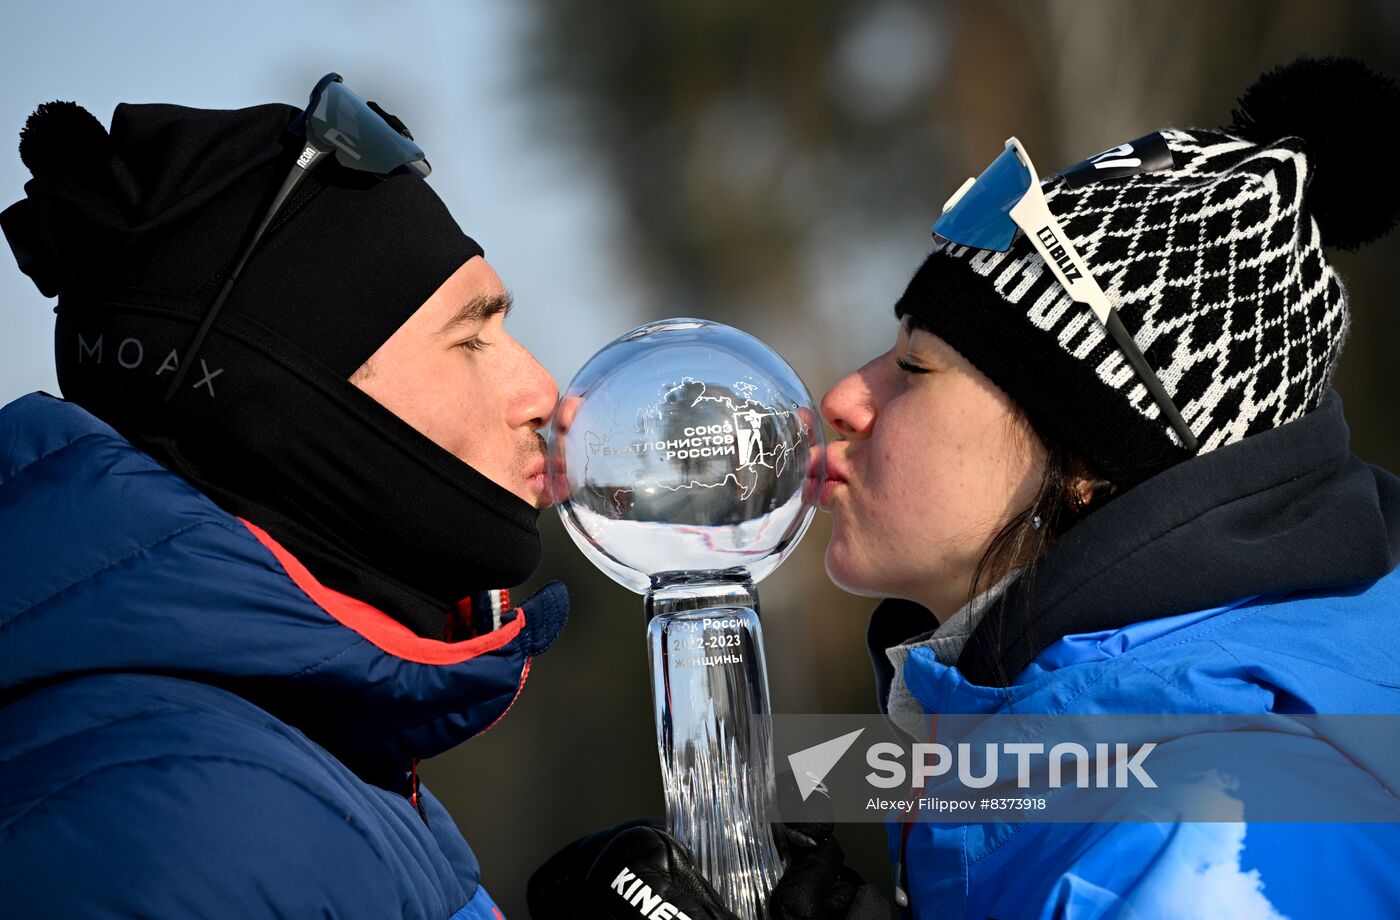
(455,374)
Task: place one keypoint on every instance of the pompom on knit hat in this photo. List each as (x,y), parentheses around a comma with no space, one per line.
(1214,261)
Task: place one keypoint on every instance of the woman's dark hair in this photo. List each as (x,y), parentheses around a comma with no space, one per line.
(1028,536)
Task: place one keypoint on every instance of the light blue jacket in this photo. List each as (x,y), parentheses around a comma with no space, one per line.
(1318,512)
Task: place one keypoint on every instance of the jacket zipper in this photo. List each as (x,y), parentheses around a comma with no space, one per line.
(901,880)
(901,889)
(414,798)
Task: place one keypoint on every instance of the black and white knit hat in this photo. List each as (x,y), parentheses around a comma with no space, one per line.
(1212,256)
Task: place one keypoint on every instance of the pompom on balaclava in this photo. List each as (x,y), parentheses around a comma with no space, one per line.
(134,231)
(1213,257)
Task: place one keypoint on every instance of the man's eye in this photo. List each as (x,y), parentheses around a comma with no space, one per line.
(474,344)
(909,367)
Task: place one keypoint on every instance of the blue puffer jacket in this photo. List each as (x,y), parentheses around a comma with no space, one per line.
(192,726)
(1291,508)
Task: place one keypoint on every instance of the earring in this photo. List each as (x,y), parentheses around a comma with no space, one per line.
(1097,489)
(1036,522)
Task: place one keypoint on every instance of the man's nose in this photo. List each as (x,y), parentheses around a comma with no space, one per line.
(538,394)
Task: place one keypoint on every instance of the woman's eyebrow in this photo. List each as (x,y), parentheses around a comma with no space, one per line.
(480,308)
(928,341)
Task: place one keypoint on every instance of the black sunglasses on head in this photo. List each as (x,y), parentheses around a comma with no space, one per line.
(360,135)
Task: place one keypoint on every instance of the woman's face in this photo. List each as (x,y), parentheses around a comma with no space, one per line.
(930,462)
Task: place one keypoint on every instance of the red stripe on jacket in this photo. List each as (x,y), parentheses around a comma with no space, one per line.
(380,629)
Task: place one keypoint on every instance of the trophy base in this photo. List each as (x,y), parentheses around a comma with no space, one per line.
(710,689)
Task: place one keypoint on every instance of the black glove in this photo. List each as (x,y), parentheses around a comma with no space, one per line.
(818,885)
(599,876)
(635,869)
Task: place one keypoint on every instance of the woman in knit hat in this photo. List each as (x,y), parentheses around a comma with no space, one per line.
(1102,471)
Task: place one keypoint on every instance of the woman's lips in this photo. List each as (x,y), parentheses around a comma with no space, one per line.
(829,487)
(835,478)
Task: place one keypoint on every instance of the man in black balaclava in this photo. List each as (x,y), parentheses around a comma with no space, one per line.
(234,620)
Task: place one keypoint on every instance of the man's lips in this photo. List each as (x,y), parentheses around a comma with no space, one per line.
(535,475)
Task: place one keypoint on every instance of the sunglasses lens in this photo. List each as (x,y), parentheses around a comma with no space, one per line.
(982,217)
(341,121)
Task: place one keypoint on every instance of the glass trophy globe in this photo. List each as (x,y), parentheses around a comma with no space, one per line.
(684,459)
(685,447)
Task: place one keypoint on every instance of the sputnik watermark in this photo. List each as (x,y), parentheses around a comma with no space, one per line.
(939,805)
(1089,767)
(1113,766)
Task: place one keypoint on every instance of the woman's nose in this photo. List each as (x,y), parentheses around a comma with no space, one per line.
(848,408)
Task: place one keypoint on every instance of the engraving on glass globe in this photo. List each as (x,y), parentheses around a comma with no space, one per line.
(684,459)
(685,446)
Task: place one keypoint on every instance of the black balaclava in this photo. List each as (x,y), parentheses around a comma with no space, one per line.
(135,230)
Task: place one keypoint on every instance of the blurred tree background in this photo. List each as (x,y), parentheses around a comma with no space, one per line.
(777,166)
